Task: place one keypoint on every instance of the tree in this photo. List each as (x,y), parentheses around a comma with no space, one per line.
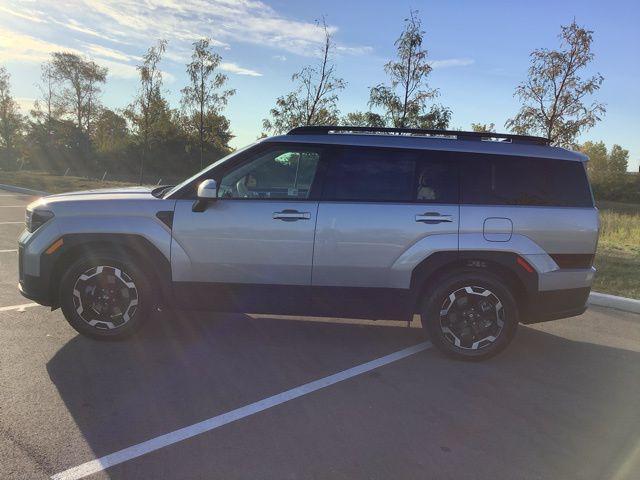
(48,107)
(82,79)
(144,110)
(598,159)
(11,123)
(404,100)
(110,133)
(618,160)
(216,137)
(483,127)
(602,163)
(203,96)
(554,96)
(363,119)
(315,98)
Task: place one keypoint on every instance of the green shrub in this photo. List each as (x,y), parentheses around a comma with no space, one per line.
(620,188)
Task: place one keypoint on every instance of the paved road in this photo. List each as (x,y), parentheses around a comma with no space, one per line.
(562,402)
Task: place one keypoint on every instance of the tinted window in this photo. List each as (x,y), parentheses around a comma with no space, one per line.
(437,179)
(377,175)
(281,174)
(364,174)
(500,180)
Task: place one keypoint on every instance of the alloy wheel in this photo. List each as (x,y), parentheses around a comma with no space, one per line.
(105,297)
(472,318)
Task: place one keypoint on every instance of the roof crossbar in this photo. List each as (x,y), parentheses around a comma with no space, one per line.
(453,134)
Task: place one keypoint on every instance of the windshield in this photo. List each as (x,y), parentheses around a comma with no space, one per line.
(210,167)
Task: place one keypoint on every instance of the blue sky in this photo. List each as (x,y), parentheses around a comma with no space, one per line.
(479,49)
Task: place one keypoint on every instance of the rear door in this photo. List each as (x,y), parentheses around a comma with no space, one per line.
(376,205)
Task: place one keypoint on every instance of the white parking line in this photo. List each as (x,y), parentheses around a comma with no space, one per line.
(13,206)
(8,251)
(11,223)
(167,439)
(19,308)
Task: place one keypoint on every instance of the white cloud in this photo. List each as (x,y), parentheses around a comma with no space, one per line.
(364,50)
(134,21)
(451,62)
(117,32)
(25,48)
(16,46)
(233,68)
(24,13)
(105,52)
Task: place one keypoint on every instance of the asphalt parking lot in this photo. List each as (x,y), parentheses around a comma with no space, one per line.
(297,398)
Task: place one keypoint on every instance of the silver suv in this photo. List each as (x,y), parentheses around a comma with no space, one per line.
(475,232)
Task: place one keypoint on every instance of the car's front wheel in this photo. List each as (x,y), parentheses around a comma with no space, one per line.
(105,296)
(469,315)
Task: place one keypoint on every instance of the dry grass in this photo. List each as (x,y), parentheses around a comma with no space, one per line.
(618,257)
(46,182)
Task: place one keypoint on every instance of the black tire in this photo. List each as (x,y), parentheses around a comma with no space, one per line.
(473,324)
(76,296)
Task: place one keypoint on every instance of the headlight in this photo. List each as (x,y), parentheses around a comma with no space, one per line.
(34,219)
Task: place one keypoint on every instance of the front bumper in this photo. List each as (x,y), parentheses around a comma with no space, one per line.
(32,291)
(30,286)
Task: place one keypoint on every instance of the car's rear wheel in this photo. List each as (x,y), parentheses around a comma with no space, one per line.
(105,296)
(470,315)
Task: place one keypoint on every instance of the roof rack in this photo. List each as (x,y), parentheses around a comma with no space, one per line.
(453,134)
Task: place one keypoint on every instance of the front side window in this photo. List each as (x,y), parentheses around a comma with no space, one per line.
(276,174)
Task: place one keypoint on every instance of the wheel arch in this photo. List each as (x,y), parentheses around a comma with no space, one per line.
(504,265)
(146,255)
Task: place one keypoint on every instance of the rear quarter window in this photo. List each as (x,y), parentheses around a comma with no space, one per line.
(511,180)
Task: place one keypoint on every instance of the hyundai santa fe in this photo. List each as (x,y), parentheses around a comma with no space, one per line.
(475,232)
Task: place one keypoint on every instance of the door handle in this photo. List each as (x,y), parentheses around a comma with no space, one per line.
(291,215)
(433,217)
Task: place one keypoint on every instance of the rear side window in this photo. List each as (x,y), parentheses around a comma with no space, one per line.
(388,175)
(502,180)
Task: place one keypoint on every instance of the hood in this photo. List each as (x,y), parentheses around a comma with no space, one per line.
(97,195)
(137,190)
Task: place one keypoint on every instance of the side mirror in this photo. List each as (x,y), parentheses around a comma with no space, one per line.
(207,192)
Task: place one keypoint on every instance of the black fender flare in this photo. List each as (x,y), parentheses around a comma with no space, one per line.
(504,264)
(150,259)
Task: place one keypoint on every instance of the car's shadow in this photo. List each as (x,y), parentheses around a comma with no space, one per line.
(191,366)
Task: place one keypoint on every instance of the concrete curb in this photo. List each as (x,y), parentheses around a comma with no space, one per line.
(612,301)
(26,191)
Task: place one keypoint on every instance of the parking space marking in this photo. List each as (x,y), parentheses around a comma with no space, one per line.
(176,436)
(19,308)
(8,251)
(10,223)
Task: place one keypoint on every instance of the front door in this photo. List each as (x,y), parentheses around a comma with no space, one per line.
(252,248)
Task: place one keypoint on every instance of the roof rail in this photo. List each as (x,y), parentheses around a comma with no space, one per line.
(454,134)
